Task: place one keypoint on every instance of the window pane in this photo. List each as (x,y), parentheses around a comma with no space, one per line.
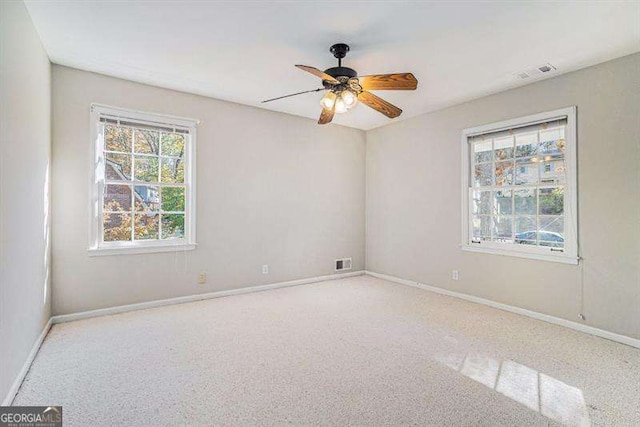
(551,201)
(172,226)
(552,141)
(173,199)
(526,171)
(527,144)
(525,230)
(504,173)
(527,177)
(117,227)
(117,198)
(552,169)
(172,144)
(146,168)
(117,167)
(482,151)
(481,227)
(483,175)
(502,202)
(525,201)
(503,148)
(502,229)
(147,141)
(526,227)
(146,226)
(551,231)
(147,198)
(172,170)
(117,138)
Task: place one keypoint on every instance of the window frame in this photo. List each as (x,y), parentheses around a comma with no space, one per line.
(97,186)
(570,251)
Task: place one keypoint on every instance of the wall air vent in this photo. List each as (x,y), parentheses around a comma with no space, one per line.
(343,264)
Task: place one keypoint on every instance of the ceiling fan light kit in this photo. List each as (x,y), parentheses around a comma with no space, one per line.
(344,88)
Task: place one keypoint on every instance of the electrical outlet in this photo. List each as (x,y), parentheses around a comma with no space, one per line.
(202,278)
(265,269)
(455,275)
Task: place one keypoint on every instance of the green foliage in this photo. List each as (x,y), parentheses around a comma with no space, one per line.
(172,226)
(172,170)
(146,168)
(173,199)
(117,138)
(147,141)
(172,144)
(551,201)
(146,226)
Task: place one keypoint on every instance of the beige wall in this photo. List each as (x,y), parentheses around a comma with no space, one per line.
(413,201)
(272,189)
(25,141)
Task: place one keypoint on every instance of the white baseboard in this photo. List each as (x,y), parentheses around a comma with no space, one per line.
(27,364)
(633,342)
(198,297)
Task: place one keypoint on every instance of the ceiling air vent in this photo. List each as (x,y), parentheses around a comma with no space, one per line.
(535,72)
(546,68)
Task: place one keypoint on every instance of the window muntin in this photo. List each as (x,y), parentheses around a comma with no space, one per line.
(143,180)
(521,190)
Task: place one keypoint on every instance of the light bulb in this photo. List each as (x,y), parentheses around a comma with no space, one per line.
(349,98)
(340,107)
(328,100)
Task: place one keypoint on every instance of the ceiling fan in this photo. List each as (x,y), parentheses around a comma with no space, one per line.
(345,88)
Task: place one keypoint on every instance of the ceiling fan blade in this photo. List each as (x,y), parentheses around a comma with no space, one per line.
(379,104)
(326,116)
(293,94)
(317,73)
(399,81)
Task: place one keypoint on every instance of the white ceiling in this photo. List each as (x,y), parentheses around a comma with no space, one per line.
(245,51)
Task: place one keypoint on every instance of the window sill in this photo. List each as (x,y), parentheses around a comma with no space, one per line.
(134,250)
(561,258)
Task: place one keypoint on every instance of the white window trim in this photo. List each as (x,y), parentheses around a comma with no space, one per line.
(98,248)
(570,254)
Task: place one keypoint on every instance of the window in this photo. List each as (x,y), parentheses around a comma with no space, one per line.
(143,187)
(519,187)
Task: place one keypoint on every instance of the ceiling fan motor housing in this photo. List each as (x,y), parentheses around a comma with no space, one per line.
(336,72)
(342,74)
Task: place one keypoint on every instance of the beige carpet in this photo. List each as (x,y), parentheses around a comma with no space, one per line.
(345,352)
